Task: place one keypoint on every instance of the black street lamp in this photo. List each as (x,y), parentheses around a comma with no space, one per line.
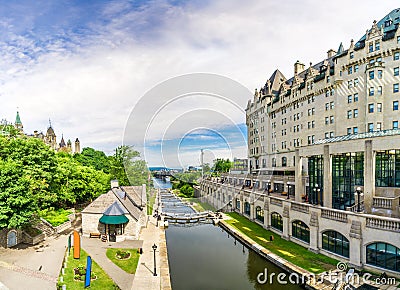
(358,195)
(288,190)
(154,247)
(316,194)
(269,186)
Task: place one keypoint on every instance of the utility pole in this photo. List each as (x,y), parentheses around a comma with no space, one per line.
(202,165)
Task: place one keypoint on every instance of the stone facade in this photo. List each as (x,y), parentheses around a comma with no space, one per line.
(359,229)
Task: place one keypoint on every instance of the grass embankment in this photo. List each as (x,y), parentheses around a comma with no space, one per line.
(198,205)
(55,217)
(151,198)
(290,251)
(128,265)
(102,282)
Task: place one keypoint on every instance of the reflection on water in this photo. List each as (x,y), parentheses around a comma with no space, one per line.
(203,256)
(162,183)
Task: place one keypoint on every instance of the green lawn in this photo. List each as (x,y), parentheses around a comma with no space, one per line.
(151,198)
(102,282)
(198,205)
(128,265)
(290,251)
(55,217)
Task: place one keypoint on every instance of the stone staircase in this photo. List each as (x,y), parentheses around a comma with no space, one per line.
(45,227)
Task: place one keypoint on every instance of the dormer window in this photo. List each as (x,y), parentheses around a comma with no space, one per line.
(388,22)
(351,55)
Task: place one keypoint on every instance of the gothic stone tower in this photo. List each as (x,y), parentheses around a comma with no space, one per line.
(77,146)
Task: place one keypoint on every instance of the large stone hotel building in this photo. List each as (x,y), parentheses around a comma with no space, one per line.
(324,153)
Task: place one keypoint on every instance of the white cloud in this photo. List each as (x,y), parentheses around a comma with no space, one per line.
(89,84)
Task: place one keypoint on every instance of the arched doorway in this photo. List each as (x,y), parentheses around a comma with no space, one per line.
(11,239)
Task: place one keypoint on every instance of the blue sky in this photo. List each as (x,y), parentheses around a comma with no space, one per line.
(86,64)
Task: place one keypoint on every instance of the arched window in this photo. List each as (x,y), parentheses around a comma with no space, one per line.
(335,242)
(301,231)
(246,208)
(284,161)
(384,255)
(259,214)
(276,221)
(237,203)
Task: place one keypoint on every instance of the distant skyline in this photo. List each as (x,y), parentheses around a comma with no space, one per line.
(85,64)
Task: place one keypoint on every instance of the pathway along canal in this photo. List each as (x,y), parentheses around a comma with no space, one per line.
(203,256)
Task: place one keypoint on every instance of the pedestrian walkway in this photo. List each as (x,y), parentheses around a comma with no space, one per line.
(144,278)
(97,250)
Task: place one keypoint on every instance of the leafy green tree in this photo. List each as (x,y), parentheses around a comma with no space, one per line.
(222,165)
(17,204)
(94,158)
(127,167)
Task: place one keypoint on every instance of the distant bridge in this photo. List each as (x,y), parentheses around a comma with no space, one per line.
(162,173)
(189,217)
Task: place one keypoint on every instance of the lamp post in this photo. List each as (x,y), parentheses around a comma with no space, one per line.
(288,190)
(154,247)
(269,186)
(358,194)
(316,194)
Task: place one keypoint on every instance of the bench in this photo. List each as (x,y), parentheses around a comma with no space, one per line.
(95,235)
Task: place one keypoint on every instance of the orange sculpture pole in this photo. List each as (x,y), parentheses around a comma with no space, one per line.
(77,245)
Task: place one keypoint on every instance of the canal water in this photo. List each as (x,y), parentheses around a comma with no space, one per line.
(203,256)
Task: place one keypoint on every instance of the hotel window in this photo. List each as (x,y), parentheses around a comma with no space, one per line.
(355,130)
(395,124)
(332,104)
(395,88)
(371,91)
(335,242)
(377,45)
(351,55)
(384,255)
(349,84)
(327,94)
(395,105)
(326,135)
(309,112)
(356,68)
(398,39)
(378,59)
(355,113)
(371,75)
(371,47)
(356,82)
(349,114)
(332,119)
(370,108)
(379,90)
(313,124)
(396,56)
(350,70)
(284,161)
(348,131)
(326,106)
(328,79)
(326,120)
(309,125)
(313,111)
(355,97)
(301,231)
(370,127)
(396,71)
(349,99)
(378,126)
(379,107)
(276,221)
(379,74)
(331,134)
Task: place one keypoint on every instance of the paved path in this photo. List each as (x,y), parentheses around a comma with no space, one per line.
(144,278)
(97,250)
(33,268)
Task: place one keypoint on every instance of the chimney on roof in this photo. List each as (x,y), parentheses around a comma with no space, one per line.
(331,53)
(298,67)
(114,183)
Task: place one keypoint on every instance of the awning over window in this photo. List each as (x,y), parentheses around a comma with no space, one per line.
(114,219)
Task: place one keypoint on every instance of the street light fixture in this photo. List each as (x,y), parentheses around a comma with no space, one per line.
(358,194)
(268,186)
(288,191)
(154,247)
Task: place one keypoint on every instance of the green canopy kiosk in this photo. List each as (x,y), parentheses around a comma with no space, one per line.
(114,220)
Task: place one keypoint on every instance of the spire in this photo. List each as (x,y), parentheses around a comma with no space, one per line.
(62,143)
(18,123)
(340,49)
